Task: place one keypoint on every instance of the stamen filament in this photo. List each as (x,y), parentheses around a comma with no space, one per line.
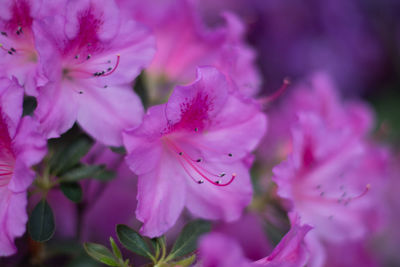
(184,158)
(278,93)
(115,67)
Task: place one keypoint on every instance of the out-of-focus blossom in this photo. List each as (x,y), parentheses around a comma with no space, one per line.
(98,215)
(21,146)
(101,215)
(295,38)
(333,177)
(290,252)
(325,179)
(190,151)
(90,55)
(184,42)
(248,231)
(318,94)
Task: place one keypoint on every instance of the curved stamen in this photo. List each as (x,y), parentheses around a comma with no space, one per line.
(342,199)
(367,187)
(184,158)
(278,93)
(115,67)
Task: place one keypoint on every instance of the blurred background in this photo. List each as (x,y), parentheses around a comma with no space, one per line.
(356,42)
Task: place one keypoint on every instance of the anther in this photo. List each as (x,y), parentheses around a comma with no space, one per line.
(80,92)
(10,52)
(109,69)
(180,153)
(77,56)
(115,67)
(196,129)
(222,174)
(230,155)
(19,30)
(218,182)
(4,34)
(13,49)
(199,160)
(200,181)
(105,86)
(88,56)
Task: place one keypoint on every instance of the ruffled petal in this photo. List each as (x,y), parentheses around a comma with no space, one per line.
(105,112)
(13,218)
(161,196)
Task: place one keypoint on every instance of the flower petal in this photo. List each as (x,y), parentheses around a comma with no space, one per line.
(161,196)
(105,112)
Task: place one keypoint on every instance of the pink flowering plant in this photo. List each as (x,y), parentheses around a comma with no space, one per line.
(149,133)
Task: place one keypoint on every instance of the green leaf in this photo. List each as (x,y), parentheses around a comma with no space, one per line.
(87,171)
(131,240)
(187,240)
(72,190)
(101,254)
(41,222)
(118,149)
(104,175)
(156,247)
(115,248)
(68,154)
(186,262)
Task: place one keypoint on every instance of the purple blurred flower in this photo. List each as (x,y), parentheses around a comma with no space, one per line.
(96,219)
(295,38)
(249,233)
(317,94)
(325,179)
(90,55)
(290,252)
(21,146)
(184,42)
(189,152)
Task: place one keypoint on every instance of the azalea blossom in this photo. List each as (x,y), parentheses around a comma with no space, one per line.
(19,57)
(290,252)
(21,146)
(184,42)
(317,94)
(191,152)
(323,179)
(90,55)
(248,227)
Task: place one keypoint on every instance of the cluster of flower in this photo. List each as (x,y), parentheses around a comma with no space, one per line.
(78,59)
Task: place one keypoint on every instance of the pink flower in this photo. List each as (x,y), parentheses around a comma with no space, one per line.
(290,252)
(17,48)
(326,179)
(190,152)
(90,55)
(20,148)
(249,232)
(185,42)
(317,94)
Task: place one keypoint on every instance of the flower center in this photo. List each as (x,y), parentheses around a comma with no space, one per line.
(78,70)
